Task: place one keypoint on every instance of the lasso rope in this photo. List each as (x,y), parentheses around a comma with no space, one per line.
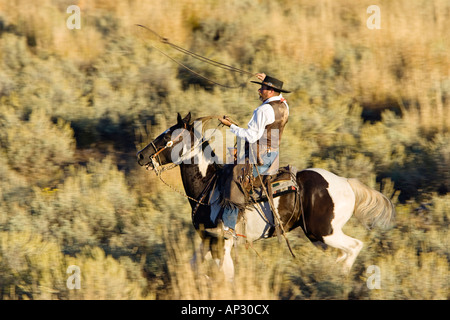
(198,57)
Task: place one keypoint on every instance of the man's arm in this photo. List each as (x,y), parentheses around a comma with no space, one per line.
(262,116)
(253,132)
(225,120)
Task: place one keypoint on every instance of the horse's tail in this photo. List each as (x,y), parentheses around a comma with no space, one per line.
(372,208)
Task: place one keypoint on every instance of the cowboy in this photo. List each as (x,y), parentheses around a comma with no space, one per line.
(270,117)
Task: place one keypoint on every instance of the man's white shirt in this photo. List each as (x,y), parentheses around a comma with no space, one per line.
(262,116)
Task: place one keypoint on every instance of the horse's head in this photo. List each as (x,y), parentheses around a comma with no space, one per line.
(168,146)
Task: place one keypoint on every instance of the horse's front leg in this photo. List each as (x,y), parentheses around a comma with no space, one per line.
(202,253)
(217,250)
(227,262)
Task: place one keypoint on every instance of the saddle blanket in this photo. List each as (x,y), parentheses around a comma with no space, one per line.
(278,189)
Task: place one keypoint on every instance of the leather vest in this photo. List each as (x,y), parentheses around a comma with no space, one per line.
(270,140)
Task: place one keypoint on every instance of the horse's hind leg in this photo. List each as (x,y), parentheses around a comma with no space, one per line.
(349,248)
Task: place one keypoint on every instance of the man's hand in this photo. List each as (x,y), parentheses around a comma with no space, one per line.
(225,121)
(260,76)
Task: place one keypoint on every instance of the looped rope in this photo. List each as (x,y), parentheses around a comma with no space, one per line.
(198,57)
(276,215)
(158,174)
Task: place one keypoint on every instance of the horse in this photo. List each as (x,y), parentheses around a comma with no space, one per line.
(322,205)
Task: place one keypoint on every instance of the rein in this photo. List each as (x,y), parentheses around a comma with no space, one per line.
(158,174)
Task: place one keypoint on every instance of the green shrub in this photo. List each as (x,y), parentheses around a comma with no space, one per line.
(36,147)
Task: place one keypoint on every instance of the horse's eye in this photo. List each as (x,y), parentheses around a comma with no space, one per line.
(168,136)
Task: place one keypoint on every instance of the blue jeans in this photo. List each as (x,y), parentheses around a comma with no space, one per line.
(229,216)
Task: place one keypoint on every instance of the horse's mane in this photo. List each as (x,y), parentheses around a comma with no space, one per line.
(204,120)
(208,118)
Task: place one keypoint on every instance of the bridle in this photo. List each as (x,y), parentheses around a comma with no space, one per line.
(157,163)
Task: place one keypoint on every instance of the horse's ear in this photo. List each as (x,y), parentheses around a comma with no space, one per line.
(179,119)
(187,119)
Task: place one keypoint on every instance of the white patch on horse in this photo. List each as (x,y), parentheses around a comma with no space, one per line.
(227,266)
(186,155)
(195,155)
(203,163)
(257,221)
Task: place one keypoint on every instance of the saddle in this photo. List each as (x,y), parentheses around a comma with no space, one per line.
(276,184)
(248,190)
(277,181)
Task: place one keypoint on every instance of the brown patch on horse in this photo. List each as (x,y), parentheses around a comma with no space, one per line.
(317,205)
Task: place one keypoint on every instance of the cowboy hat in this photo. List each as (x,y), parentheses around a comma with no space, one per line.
(272,83)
